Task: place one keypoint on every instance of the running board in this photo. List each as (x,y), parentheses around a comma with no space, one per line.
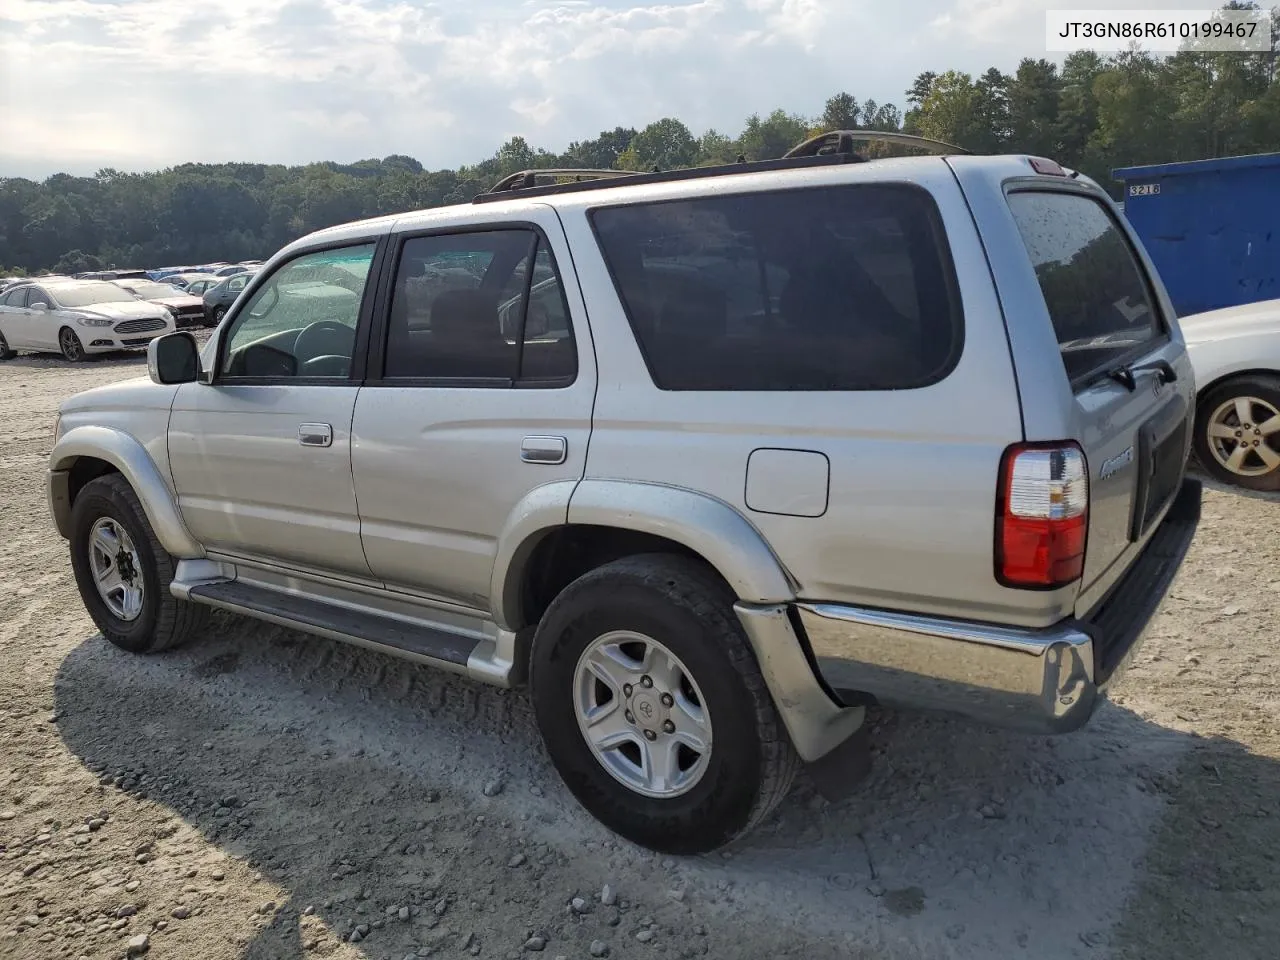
(427,644)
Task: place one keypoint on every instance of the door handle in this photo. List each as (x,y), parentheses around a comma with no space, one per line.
(548,450)
(315,435)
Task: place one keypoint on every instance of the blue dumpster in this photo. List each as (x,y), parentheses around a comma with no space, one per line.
(1210,227)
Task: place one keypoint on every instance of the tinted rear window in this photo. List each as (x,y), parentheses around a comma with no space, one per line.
(1096,292)
(835,288)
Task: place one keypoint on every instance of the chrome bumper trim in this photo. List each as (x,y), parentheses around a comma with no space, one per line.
(1040,681)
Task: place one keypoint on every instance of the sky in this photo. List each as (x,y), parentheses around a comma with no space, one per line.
(145,84)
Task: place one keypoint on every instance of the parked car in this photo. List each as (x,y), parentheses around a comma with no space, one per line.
(193,283)
(187,310)
(230,271)
(1236,355)
(121,274)
(77,318)
(906,430)
(163,273)
(221,295)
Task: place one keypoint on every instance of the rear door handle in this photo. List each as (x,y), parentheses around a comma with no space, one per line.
(315,435)
(549,450)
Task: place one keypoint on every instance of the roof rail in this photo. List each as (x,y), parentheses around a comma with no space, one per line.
(840,143)
(526,179)
(669,176)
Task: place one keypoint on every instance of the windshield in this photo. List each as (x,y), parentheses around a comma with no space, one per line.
(84,294)
(150,291)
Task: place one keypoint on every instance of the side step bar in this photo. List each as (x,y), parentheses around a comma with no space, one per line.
(431,645)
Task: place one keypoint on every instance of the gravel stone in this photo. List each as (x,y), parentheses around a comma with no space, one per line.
(137,946)
(180,913)
(535,944)
(579,905)
(403,914)
(608,896)
(599,948)
(644,936)
(493,788)
(517,861)
(128,910)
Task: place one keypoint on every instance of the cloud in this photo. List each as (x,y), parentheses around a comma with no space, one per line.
(141,84)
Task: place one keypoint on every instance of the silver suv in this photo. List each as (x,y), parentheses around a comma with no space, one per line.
(710,460)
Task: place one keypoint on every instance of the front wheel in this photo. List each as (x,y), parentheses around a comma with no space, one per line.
(124,573)
(5,352)
(653,708)
(72,349)
(1238,432)
(218,314)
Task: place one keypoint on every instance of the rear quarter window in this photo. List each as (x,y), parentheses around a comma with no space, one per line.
(818,289)
(1095,289)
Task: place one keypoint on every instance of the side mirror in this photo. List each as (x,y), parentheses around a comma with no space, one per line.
(39,305)
(173,358)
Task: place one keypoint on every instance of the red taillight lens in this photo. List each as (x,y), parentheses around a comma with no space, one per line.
(1042,515)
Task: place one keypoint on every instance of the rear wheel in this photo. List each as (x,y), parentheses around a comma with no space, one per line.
(653,708)
(5,352)
(218,314)
(72,349)
(1238,432)
(124,573)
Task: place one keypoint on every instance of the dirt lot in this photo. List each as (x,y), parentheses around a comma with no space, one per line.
(266,795)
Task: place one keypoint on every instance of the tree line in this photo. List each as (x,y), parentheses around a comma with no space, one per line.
(1093,114)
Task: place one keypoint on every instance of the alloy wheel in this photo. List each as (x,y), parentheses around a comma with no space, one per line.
(116,568)
(642,714)
(1244,436)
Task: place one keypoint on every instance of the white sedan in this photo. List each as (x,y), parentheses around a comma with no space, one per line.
(1235,352)
(76,318)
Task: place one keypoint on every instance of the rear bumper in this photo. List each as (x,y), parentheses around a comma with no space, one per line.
(1041,681)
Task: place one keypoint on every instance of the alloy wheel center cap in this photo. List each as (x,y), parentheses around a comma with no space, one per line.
(647,709)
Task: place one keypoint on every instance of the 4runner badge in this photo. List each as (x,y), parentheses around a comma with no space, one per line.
(1116,464)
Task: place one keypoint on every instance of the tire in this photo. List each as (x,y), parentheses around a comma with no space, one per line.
(684,606)
(72,348)
(162,621)
(218,314)
(1220,409)
(5,352)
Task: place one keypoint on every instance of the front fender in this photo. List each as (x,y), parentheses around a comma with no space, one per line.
(130,457)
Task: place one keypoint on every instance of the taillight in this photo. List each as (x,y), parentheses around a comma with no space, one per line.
(1042,515)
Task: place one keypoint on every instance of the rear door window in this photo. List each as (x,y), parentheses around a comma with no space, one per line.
(1095,289)
(832,288)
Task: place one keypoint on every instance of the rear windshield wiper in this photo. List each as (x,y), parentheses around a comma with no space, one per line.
(1127,377)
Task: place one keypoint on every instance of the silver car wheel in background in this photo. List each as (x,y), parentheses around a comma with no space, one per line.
(642,714)
(117,571)
(1244,433)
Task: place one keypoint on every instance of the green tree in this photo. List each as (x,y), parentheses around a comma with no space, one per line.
(716,148)
(773,136)
(666,144)
(602,152)
(841,113)
(1034,93)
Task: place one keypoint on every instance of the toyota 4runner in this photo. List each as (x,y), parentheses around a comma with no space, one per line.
(709,459)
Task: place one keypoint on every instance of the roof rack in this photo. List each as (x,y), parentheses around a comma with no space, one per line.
(526,179)
(840,143)
(630,178)
(825,149)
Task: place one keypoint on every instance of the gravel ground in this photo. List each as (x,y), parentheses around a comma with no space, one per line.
(262,794)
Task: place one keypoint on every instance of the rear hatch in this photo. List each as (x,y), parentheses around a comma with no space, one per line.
(1128,389)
